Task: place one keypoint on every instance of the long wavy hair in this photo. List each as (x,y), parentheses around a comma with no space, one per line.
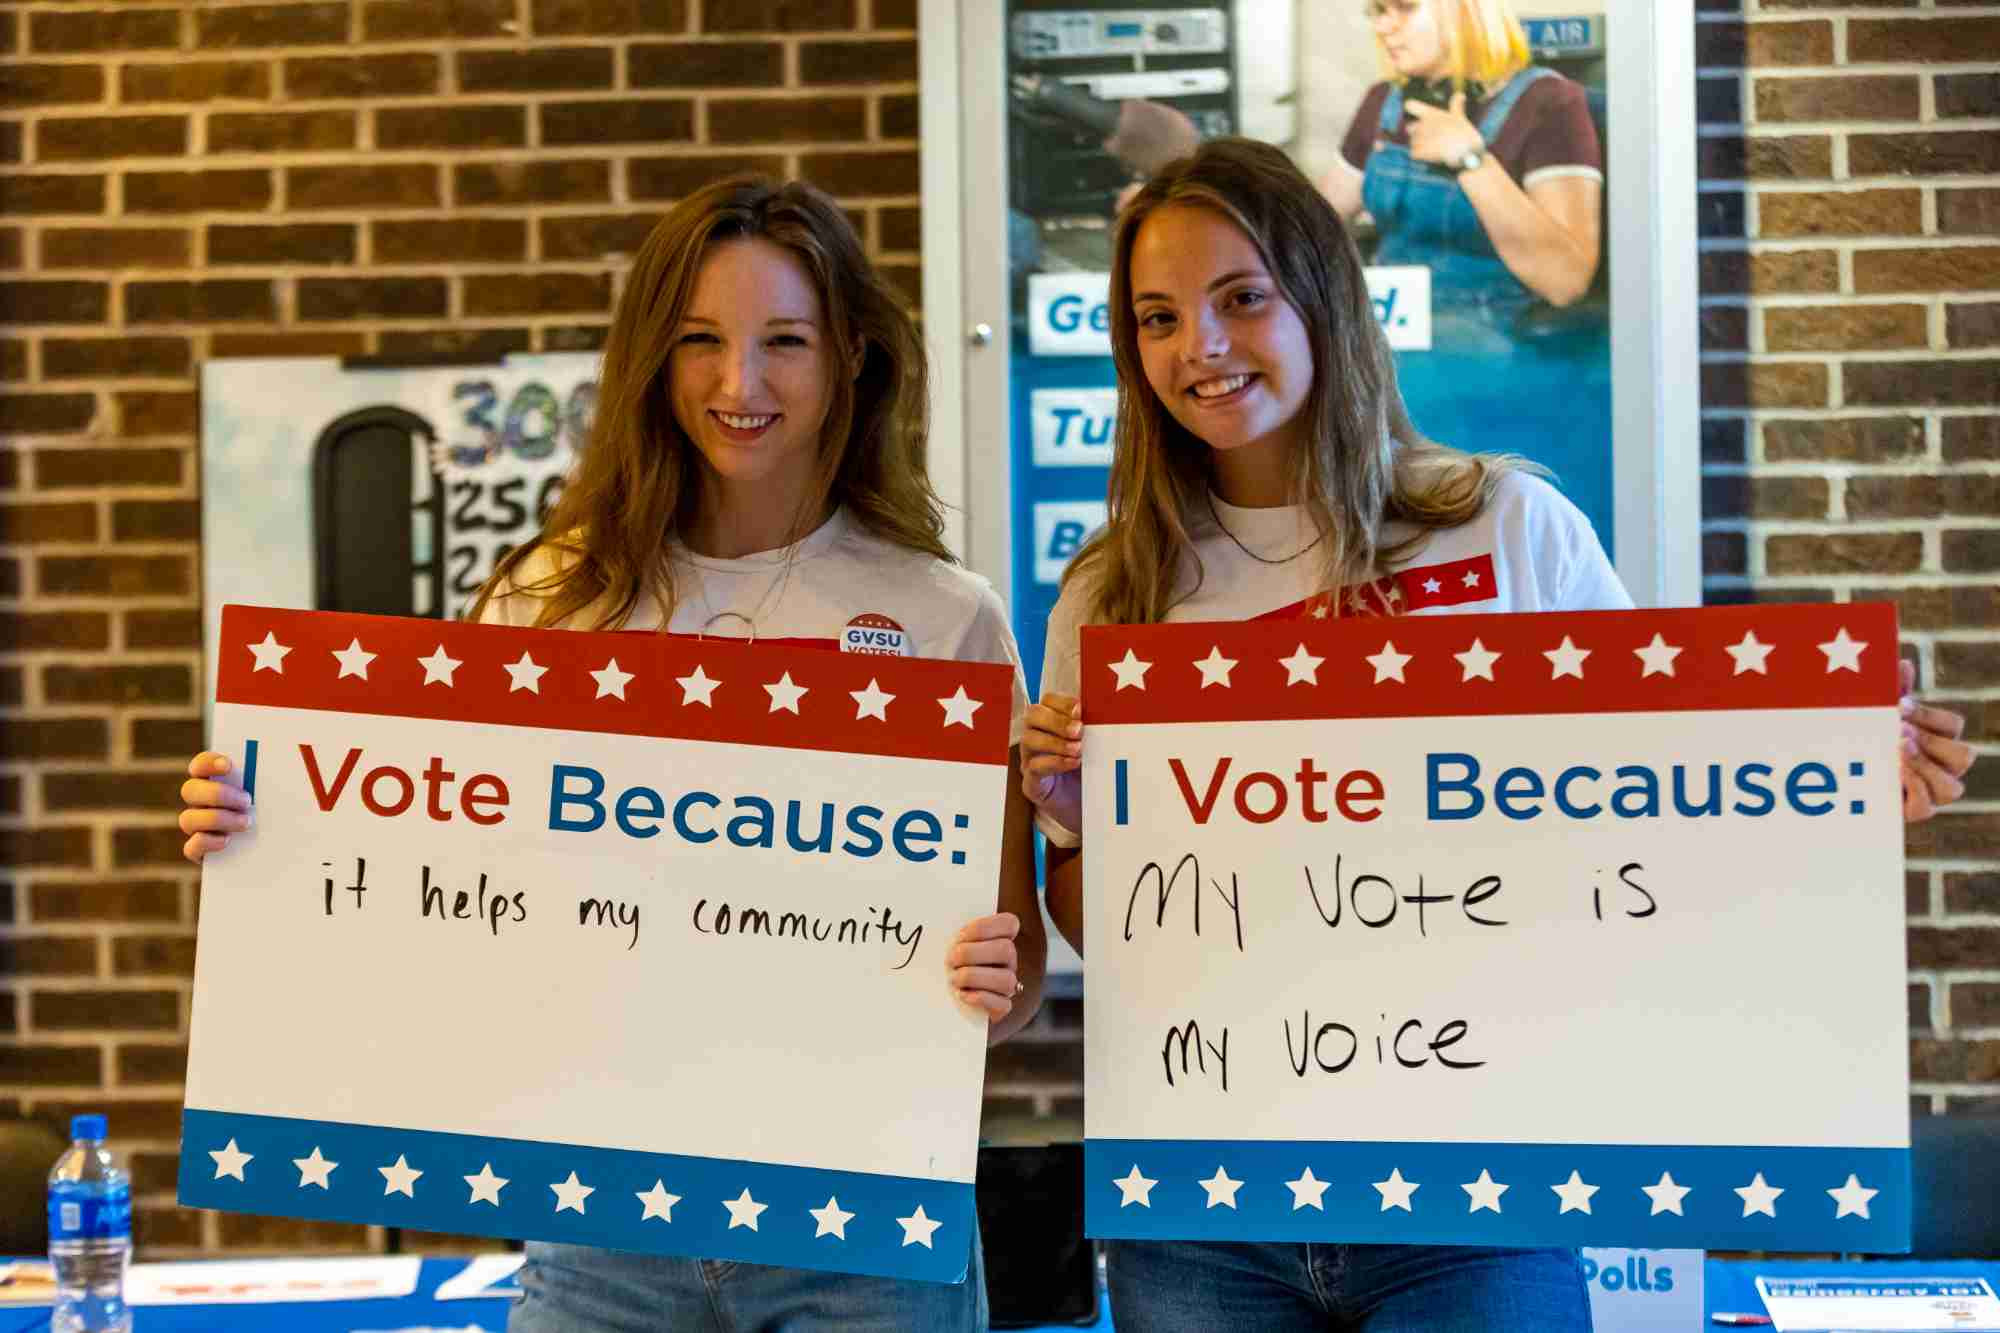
(639,479)
(1366,463)
(1484,42)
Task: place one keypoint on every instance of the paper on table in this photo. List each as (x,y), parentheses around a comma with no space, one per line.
(483,1277)
(27,1282)
(266,1281)
(1871,1306)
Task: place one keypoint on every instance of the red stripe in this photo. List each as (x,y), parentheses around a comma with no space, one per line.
(1459,583)
(740,711)
(1434,685)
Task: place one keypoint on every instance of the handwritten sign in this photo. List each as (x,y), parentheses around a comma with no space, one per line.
(615,939)
(1580,928)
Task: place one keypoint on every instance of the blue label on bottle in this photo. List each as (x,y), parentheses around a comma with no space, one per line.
(83,1212)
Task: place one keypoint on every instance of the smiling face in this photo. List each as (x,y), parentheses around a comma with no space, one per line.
(752,369)
(1222,347)
(1413,36)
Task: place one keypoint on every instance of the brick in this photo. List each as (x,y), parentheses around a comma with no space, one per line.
(1917,892)
(563,182)
(1844,440)
(1845,327)
(1784,214)
(216,300)
(24,848)
(574,338)
(1967,665)
(1925,40)
(152,956)
(226,191)
(1940,269)
(1724,553)
(861,173)
(281,131)
(427,241)
(1035,1062)
(1975,1004)
(111,358)
(705,65)
(1972,493)
(136,683)
(45,413)
(297,243)
(390,185)
(1971,551)
(104,30)
(1772,384)
(895,14)
(455,344)
(1976,892)
(595,236)
(154,628)
(10,247)
(51,1066)
(152,1173)
(1718,100)
(536,293)
(195,81)
(122,790)
(25,84)
(166,737)
(451,127)
(605,18)
(900,228)
(424,20)
(158,1229)
(145,1063)
(1972,324)
(10,783)
(1838,97)
(896,115)
(1725,440)
(1920,1007)
(681,175)
(893,61)
(155,844)
(27,631)
(49,956)
(143,412)
(65,521)
(1764,44)
(271,25)
(1764,157)
(1940,383)
(1936,153)
(1967,94)
(786,119)
(534,69)
(115,247)
(155,520)
(13,368)
(1954,1061)
(105,1010)
(362,298)
(1939,607)
(54,302)
(1730,496)
(33,194)
(114,576)
(58,468)
(652,120)
(1844,553)
(777,16)
(247,1231)
(54,738)
(333,342)
(1895,495)
(401,74)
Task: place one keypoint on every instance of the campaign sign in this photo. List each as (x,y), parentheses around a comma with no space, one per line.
(623,940)
(1564,929)
(1069,313)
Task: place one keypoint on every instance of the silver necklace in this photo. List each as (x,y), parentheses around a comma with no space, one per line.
(773,593)
(1262,560)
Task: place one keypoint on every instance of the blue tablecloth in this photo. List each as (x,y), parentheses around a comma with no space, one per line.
(1730,1285)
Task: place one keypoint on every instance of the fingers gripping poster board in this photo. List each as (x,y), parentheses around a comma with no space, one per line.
(1563,929)
(613,939)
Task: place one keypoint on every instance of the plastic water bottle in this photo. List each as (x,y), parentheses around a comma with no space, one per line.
(90,1233)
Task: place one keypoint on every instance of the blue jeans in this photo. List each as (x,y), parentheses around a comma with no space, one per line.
(572,1289)
(1189,1286)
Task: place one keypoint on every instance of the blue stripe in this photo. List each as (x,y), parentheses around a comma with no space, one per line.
(1530,1210)
(613,1217)
(250,768)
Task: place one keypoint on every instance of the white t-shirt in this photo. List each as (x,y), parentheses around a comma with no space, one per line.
(1529,550)
(842,587)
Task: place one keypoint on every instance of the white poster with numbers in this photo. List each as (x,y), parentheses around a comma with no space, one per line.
(1550,929)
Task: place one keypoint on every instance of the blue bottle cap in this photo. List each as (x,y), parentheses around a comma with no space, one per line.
(89,1127)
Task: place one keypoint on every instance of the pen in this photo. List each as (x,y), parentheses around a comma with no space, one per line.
(1740,1320)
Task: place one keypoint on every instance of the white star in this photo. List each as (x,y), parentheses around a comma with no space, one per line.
(1135,1188)
(1131,672)
(1221,1189)
(1301,668)
(524,674)
(1853,1198)
(610,680)
(571,1193)
(1215,668)
(658,1203)
(486,1186)
(270,654)
(872,702)
(1658,656)
(1477,662)
(832,1220)
(1843,653)
(697,689)
(1396,1191)
(1484,1192)
(314,1170)
(743,1211)
(1306,1191)
(1319,612)
(1388,664)
(1574,1194)
(438,668)
(1667,1196)
(354,660)
(917,1228)
(1432,585)
(1749,655)
(231,1160)
(958,709)
(400,1178)
(1759,1197)
(1471,579)
(785,695)
(1566,659)
(1395,594)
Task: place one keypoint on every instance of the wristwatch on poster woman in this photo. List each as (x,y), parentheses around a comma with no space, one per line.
(1471,160)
